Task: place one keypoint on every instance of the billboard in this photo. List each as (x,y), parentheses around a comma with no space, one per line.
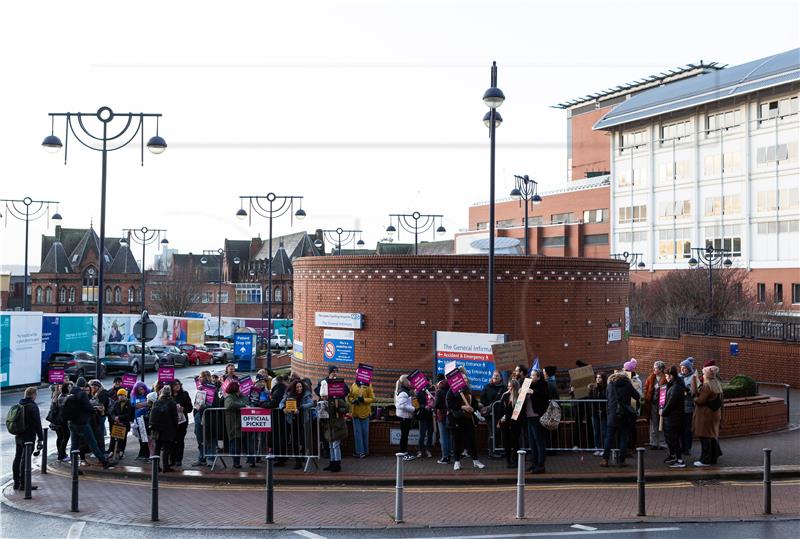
(20,348)
(473,351)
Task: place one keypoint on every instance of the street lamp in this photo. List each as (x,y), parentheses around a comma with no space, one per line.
(270,206)
(143,236)
(338,234)
(415,223)
(21,209)
(527,190)
(492,98)
(634,260)
(710,257)
(236,260)
(107,142)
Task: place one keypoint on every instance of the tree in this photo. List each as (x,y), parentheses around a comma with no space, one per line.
(175,293)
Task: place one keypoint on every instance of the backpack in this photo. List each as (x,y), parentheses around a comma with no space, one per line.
(70,411)
(15,420)
(158,415)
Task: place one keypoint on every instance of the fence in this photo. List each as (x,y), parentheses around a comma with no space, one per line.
(741,329)
(293,435)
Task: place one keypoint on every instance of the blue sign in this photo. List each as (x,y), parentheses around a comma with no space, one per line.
(734,348)
(243,345)
(338,346)
(478,372)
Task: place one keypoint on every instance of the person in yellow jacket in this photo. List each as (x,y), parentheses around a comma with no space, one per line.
(360,399)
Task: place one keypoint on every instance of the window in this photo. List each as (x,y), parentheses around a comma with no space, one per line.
(480,226)
(222,297)
(536,220)
(681,170)
(772,227)
(778,292)
(677,131)
(632,176)
(561,218)
(761,292)
(62,294)
(728,163)
(89,292)
(39,297)
(278,295)
(72,294)
(777,108)
(595,216)
(154,296)
(108,295)
(632,139)
(731,243)
(248,293)
(48,295)
(117,295)
(207,297)
(505,223)
(778,152)
(731,204)
(795,292)
(768,201)
(722,121)
(554,241)
(673,245)
(130,296)
(595,239)
(679,209)
(633,214)
(289,295)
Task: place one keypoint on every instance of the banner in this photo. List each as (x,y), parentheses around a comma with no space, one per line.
(364,373)
(256,420)
(473,351)
(509,354)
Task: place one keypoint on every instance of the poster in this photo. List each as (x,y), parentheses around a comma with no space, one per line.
(128,381)
(508,355)
(338,346)
(473,351)
(166,374)
(256,420)
(20,348)
(119,432)
(199,399)
(336,388)
(245,385)
(364,373)
(580,379)
(456,380)
(56,376)
(290,405)
(418,380)
(523,393)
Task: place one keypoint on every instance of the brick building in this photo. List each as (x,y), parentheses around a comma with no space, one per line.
(562,308)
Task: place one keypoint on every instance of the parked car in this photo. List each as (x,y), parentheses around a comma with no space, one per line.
(75,365)
(222,351)
(280,341)
(197,354)
(171,356)
(127,357)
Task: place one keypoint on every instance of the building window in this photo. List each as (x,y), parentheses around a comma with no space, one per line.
(632,176)
(154,296)
(722,121)
(717,164)
(676,131)
(117,295)
(632,237)
(795,292)
(730,205)
(506,223)
(62,295)
(595,216)
(130,295)
(536,220)
(730,243)
(48,295)
(595,239)
(207,297)
(554,241)
(278,295)
(289,295)
(777,108)
(248,293)
(779,152)
(761,292)
(89,292)
(786,199)
(674,245)
(778,292)
(561,218)
(222,297)
(109,295)
(39,297)
(679,209)
(680,170)
(632,139)
(72,294)
(480,226)
(633,214)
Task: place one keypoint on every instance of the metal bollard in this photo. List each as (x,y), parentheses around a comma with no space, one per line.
(767,481)
(76,457)
(45,432)
(270,490)
(520,484)
(28,455)
(615,457)
(640,479)
(155,461)
(398,498)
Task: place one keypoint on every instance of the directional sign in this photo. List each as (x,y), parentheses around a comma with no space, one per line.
(243,345)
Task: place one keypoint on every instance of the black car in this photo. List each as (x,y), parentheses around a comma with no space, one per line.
(74,364)
(170,356)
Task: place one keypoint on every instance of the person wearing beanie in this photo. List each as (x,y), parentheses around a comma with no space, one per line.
(707,416)
(710,363)
(690,380)
(651,409)
(141,408)
(79,411)
(99,399)
(121,414)
(672,417)
(164,426)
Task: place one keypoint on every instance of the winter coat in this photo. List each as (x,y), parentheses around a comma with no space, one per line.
(183,399)
(233,416)
(673,405)
(491,392)
(275,395)
(136,399)
(33,422)
(620,391)
(82,406)
(122,413)
(335,428)
(688,402)
(363,408)
(167,428)
(424,412)
(536,402)
(652,386)
(402,404)
(597,392)
(705,422)
(304,403)
(454,403)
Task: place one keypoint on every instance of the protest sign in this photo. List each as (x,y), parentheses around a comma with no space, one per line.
(662,397)
(55,376)
(364,373)
(256,420)
(118,432)
(166,374)
(508,355)
(128,381)
(580,379)
(418,380)
(290,405)
(211,391)
(226,382)
(198,383)
(523,392)
(456,380)
(199,399)
(245,385)
(336,388)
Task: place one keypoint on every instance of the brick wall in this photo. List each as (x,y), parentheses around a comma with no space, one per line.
(764,361)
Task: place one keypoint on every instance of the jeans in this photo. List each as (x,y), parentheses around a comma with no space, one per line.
(62,439)
(624,432)
(686,433)
(425,434)
(598,428)
(85,431)
(656,436)
(336,450)
(537,439)
(405,426)
(444,439)
(198,434)
(361,433)
(241,445)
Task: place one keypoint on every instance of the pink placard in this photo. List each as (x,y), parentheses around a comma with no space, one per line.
(364,373)
(456,380)
(336,388)
(128,381)
(418,380)
(166,374)
(211,391)
(55,376)
(245,385)
(662,397)
(256,420)
(225,383)
(197,383)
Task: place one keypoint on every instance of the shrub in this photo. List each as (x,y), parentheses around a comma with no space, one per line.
(739,386)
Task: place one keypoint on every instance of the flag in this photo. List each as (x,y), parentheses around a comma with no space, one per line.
(535,365)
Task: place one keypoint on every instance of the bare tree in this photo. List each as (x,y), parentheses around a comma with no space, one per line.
(176,293)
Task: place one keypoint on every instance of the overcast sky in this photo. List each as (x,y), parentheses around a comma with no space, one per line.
(365,108)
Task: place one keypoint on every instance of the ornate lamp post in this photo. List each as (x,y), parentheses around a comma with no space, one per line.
(415,223)
(710,257)
(527,190)
(634,260)
(341,236)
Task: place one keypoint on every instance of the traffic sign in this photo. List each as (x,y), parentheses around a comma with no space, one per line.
(150,330)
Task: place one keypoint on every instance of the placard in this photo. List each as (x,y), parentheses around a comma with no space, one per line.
(580,379)
(226,382)
(364,373)
(55,376)
(290,405)
(245,385)
(418,380)
(336,388)
(198,382)
(128,381)
(508,355)
(256,420)
(211,391)
(166,374)
(119,432)
(456,380)
(662,397)
(523,393)
(199,399)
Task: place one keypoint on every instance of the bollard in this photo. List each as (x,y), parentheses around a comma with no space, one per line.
(270,490)
(398,498)
(640,479)
(615,457)
(155,461)
(76,457)
(520,484)
(767,481)
(28,454)
(43,470)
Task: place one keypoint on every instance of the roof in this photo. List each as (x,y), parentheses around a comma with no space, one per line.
(208,272)
(778,69)
(238,248)
(124,262)
(281,265)
(89,243)
(296,245)
(55,260)
(71,237)
(443,247)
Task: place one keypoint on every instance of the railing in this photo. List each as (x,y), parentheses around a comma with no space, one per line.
(739,329)
(649,329)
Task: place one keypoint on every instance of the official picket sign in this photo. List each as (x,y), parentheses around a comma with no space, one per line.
(473,351)
(55,376)
(166,374)
(338,320)
(338,346)
(128,381)
(256,420)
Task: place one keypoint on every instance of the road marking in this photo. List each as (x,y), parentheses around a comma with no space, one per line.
(76,530)
(553,534)
(310,535)
(582,527)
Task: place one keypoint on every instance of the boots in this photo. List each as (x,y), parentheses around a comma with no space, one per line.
(329,467)
(336,466)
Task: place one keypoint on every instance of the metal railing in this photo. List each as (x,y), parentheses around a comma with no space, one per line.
(740,329)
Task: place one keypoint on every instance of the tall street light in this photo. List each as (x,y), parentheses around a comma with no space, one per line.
(28,210)
(339,236)
(270,206)
(109,141)
(221,254)
(143,236)
(493,98)
(634,260)
(416,223)
(710,257)
(527,190)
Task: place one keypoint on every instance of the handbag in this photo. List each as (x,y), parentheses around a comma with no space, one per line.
(715,404)
(551,417)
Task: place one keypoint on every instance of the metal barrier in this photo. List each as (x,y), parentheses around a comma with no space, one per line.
(581,420)
(292,436)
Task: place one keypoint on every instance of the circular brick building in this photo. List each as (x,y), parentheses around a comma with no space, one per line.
(562,307)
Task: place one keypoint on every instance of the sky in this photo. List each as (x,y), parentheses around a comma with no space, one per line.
(365,108)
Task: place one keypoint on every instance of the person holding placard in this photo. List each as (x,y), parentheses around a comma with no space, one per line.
(164,426)
(440,410)
(424,416)
(141,409)
(296,405)
(404,409)
(651,409)
(334,428)
(510,427)
(208,399)
(462,421)
(121,415)
(183,404)
(239,442)
(535,405)
(360,398)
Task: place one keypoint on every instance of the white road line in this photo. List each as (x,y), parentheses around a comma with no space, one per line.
(554,534)
(310,535)
(76,530)
(582,527)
